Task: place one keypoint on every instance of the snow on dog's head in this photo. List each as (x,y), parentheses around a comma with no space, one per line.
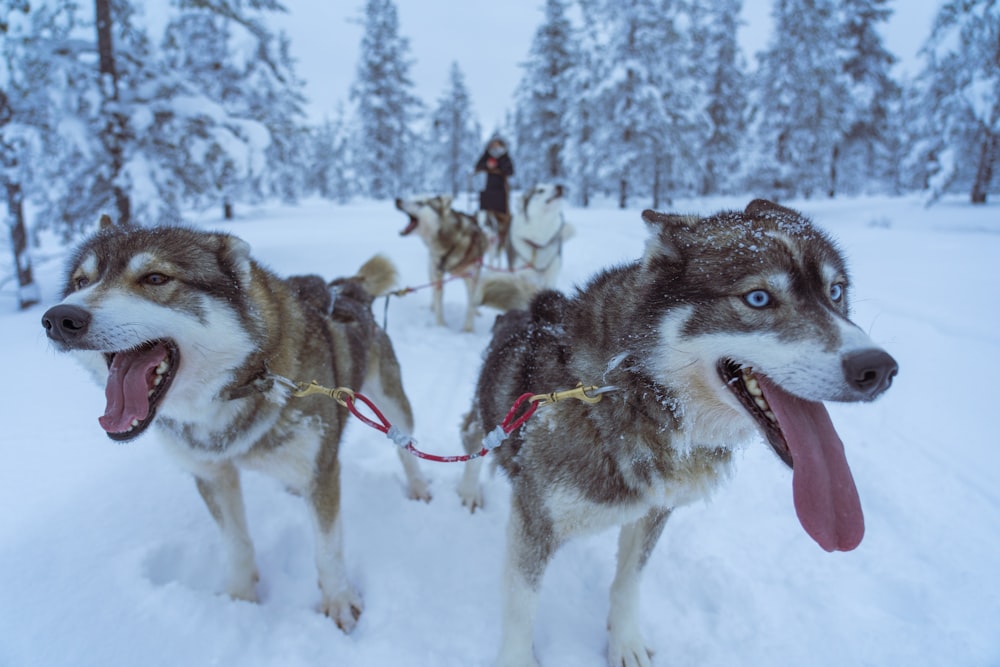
(754,309)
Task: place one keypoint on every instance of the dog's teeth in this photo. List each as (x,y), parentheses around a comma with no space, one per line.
(157,381)
(761,403)
(770,415)
(162,368)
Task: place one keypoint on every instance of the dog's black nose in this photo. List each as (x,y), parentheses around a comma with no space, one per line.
(870,372)
(65,323)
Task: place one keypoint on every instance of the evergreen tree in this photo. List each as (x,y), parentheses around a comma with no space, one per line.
(386,106)
(960,84)
(802,101)
(721,70)
(646,99)
(868,150)
(454,137)
(545,97)
(51,142)
(249,128)
(331,175)
(12,150)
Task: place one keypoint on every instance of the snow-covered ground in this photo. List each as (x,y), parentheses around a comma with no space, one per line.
(108,557)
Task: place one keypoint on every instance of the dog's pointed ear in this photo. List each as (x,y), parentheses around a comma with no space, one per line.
(445,202)
(106,222)
(235,254)
(763,208)
(664,230)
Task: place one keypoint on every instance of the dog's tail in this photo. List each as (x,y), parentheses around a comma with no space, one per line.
(378,275)
(506,291)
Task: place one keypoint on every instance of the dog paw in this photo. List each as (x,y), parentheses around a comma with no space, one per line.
(243,588)
(629,652)
(344,609)
(419,490)
(472,498)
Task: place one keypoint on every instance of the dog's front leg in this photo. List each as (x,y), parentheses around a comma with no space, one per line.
(471,280)
(340,601)
(219,486)
(626,647)
(437,296)
(530,544)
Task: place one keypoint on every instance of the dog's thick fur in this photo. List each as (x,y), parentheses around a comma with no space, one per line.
(728,327)
(537,233)
(189,334)
(455,243)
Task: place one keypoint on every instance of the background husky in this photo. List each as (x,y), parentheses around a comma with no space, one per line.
(537,233)
(186,332)
(456,245)
(728,326)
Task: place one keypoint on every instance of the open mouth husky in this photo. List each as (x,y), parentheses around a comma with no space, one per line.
(455,243)
(190,335)
(729,327)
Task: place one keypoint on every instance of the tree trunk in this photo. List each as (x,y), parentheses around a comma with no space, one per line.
(623,193)
(113,137)
(834,157)
(984,172)
(27,290)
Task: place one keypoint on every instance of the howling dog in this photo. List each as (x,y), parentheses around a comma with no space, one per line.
(727,328)
(187,333)
(455,244)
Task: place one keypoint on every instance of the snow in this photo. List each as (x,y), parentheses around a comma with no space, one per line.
(108,556)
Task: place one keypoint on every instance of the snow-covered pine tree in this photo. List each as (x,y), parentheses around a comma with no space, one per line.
(580,156)
(720,70)
(545,97)
(867,154)
(386,107)
(11,149)
(248,131)
(801,105)
(331,175)
(52,88)
(645,98)
(960,87)
(453,138)
(10,180)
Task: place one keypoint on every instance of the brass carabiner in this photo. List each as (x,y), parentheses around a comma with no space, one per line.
(579,393)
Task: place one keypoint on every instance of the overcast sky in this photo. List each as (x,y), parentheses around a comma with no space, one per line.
(490,39)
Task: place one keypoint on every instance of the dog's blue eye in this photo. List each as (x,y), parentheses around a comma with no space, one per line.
(837,291)
(155,279)
(758,298)
(81,282)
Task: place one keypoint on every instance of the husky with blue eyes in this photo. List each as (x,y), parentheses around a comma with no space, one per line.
(729,329)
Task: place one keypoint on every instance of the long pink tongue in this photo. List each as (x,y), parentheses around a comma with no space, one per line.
(129,380)
(826,499)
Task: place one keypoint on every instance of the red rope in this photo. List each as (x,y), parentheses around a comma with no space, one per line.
(509,425)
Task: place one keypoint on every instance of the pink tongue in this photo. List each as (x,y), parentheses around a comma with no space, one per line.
(826,499)
(129,381)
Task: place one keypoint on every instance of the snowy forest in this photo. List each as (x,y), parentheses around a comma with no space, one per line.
(636,101)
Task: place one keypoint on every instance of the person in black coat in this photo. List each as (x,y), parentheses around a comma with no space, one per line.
(495,199)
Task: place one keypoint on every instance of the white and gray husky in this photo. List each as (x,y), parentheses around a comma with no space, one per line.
(729,327)
(187,333)
(537,233)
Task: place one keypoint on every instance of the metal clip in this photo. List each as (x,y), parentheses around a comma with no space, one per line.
(337,393)
(579,393)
